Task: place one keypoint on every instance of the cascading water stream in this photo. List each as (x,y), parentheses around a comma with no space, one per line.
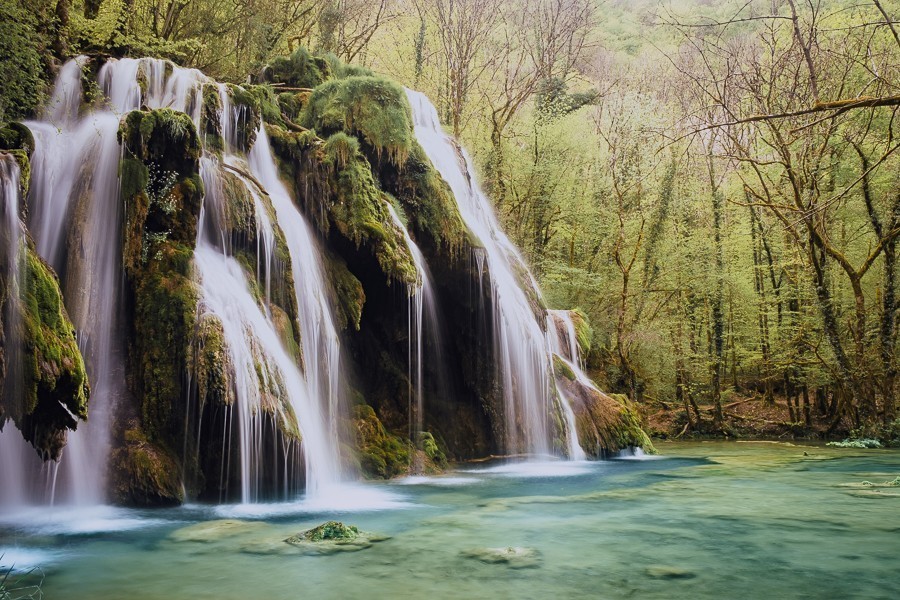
(524,364)
(422,317)
(319,339)
(17,458)
(250,334)
(76,223)
(564,345)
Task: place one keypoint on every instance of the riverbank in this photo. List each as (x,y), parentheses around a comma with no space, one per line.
(751,418)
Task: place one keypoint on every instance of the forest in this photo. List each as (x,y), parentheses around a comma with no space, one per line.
(712,184)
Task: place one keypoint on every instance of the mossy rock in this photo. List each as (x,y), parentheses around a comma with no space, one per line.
(427,198)
(371,108)
(562,369)
(164,137)
(361,214)
(347,292)
(584,334)
(606,423)
(381,454)
(432,451)
(300,70)
(55,391)
(332,530)
(145,474)
(332,537)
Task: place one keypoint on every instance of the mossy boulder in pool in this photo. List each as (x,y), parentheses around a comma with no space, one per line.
(332,530)
(332,537)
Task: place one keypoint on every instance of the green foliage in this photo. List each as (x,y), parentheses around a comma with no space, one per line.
(371,108)
(21,68)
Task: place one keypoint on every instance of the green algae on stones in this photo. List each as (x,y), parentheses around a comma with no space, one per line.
(332,530)
(332,537)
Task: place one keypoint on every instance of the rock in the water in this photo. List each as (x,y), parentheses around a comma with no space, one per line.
(332,537)
(513,557)
(667,572)
(332,530)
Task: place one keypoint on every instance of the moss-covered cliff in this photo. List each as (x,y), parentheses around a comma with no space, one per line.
(42,373)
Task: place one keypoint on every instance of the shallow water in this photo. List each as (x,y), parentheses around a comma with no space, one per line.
(708,520)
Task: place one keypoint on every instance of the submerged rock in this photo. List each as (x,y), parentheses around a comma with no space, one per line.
(515,557)
(214,531)
(667,572)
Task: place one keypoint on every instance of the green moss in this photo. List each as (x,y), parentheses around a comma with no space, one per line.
(562,369)
(292,146)
(146,474)
(332,530)
(248,102)
(372,108)
(16,136)
(348,294)
(431,449)
(210,362)
(210,127)
(55,384)
(163,137)
(165,308)
(583,332)
(291,103)
(341,148)
(381,454)
(428,199)
(361,215)
(629,433)
(301,70)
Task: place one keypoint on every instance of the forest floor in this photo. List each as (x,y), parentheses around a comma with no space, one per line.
(745,417)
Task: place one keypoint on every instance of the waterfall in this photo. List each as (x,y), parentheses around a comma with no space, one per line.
(17,458)
(74,202)
(422,317)
(319,339)
(563,343)
(524,364)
